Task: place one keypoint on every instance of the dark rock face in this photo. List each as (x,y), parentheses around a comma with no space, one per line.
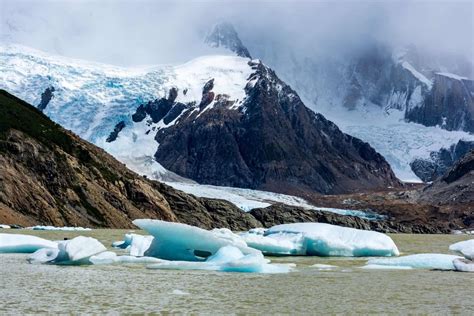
(224,35)
(159,108)
(455,187)
(430,169)
(113,135)
(46,96)
(49,176)
(273,143)
(449,104)
(283,214)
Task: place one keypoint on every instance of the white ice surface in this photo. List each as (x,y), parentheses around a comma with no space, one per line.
(18,243)
(452,76)
(76,251)
(319,239)
(109,257)
(65,228)
(3,226)
(463,265)
(466,248)
(417,74)
(418,261)
(136,244)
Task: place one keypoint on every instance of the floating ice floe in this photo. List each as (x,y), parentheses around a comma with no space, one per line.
(65,228)
(137,244)
(463,265)
(418,261)
(323,267)
(319,239)
(175,241)
(18,243)
(109,257)
(466,248)
(76,251)
(3,226)
(227,259)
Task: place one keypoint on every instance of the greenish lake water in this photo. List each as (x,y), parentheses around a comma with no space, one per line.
(127,289)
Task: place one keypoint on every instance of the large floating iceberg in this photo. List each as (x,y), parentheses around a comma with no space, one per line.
(466,248)
(319,239)
(136,244)
(227,259)
(175,241)
(76,251)
(17,243)
(418,261)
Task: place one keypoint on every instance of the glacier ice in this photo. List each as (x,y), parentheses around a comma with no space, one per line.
(3,226)
(227,259)
(418,261)
(320,239)
(466,248)
(76,251)
(136,244)
(18,243)
(463,265)
(176,241)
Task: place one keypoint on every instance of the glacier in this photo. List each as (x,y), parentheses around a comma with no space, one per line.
(320,239)
(417,261)
(17,243)
(466,248)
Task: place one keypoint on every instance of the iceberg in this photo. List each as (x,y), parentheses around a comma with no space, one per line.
(176,241)
(3,226)
(137,244)
(466,248)
(18,243)
(227,259)
(320,239)
(463,265)
(76,251)
(64,228)
(109,257)
(418,261)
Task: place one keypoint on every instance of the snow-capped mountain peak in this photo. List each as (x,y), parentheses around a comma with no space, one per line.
(224,35)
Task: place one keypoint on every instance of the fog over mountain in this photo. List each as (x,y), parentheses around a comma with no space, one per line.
(151,32)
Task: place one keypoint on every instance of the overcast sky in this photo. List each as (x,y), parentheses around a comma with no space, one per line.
(151,32)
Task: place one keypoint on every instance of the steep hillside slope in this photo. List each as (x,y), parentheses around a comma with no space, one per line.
(50,176)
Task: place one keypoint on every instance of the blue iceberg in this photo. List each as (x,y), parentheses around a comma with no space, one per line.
(18,243)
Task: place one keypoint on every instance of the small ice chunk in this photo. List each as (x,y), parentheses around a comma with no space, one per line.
(463,265)
(323,267)
(110,257)
(43,255)
(179,292)
(176,241)
(3,226)
(466,248)
(418,261)
(137,244)
(383,267)
(18,243)
(320,239)
(78,250)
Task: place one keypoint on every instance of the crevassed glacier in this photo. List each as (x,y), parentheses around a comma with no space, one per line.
(18,243)
(319,239)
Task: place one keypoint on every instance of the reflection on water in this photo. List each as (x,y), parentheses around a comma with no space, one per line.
(28,288)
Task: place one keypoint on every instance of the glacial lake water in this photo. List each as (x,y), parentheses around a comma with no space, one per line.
(133,289)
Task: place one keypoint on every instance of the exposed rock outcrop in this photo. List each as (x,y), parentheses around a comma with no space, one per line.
(272,143)
(49,176)
(224,35)
(46,97)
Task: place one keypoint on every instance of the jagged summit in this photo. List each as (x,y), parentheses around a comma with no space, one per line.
(224,35)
